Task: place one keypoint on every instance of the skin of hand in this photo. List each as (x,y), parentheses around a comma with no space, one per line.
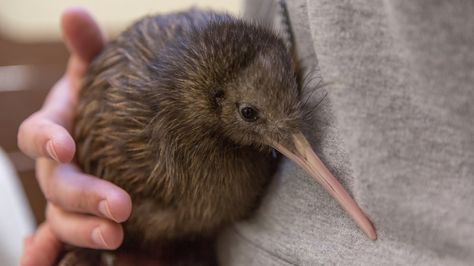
(82,210)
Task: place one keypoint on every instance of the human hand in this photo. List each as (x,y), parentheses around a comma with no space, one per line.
(82,210)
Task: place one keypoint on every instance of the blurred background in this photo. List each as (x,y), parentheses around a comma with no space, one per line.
(32,58)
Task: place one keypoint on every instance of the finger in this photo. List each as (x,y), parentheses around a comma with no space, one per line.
(74,191)
(85,40)
(28,240)
(40,137)
(41,249)
(82,34)
(84,230)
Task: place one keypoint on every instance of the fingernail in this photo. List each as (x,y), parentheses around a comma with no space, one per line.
(98,238)
(51,151)
(105,210)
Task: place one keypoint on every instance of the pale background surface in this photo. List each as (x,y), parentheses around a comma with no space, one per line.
(38,20)
(16,220)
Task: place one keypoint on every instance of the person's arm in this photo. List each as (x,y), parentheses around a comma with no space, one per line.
(82,210)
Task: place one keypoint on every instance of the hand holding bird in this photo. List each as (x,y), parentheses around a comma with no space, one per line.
(182,111)
(68,201)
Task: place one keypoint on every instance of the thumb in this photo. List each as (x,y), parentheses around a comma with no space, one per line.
(82,34)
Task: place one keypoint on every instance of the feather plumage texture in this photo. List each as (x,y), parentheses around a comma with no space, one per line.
(150,120)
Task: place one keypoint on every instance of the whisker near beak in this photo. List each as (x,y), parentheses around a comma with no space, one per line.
(299,150)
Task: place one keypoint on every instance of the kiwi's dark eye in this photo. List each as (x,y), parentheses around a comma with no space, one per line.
(248,113)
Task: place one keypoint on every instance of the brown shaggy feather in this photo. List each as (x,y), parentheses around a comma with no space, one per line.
(157,116)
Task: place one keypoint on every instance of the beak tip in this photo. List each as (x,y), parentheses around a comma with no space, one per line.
(373,237)
(370,232)
(302,153)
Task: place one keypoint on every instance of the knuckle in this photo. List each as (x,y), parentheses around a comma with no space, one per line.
(88,200)
(26,124)
(48,186)
(54,218)
(49,212)
(65,188)
(48,193)
(81,200)
(29,136)
(22,132)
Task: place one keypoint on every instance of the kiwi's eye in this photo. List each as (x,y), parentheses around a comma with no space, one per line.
(248,113)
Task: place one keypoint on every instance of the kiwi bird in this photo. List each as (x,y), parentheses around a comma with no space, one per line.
(183,111)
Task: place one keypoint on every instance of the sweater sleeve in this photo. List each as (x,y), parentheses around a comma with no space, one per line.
(396,127)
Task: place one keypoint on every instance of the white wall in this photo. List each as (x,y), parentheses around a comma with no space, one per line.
(16,219)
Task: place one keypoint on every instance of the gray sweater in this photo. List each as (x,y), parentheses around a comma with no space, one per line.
(396,128)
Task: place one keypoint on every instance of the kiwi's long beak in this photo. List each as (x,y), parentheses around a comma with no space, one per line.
(299,150)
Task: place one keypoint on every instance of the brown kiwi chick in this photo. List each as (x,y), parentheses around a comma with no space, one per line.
(183,112)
